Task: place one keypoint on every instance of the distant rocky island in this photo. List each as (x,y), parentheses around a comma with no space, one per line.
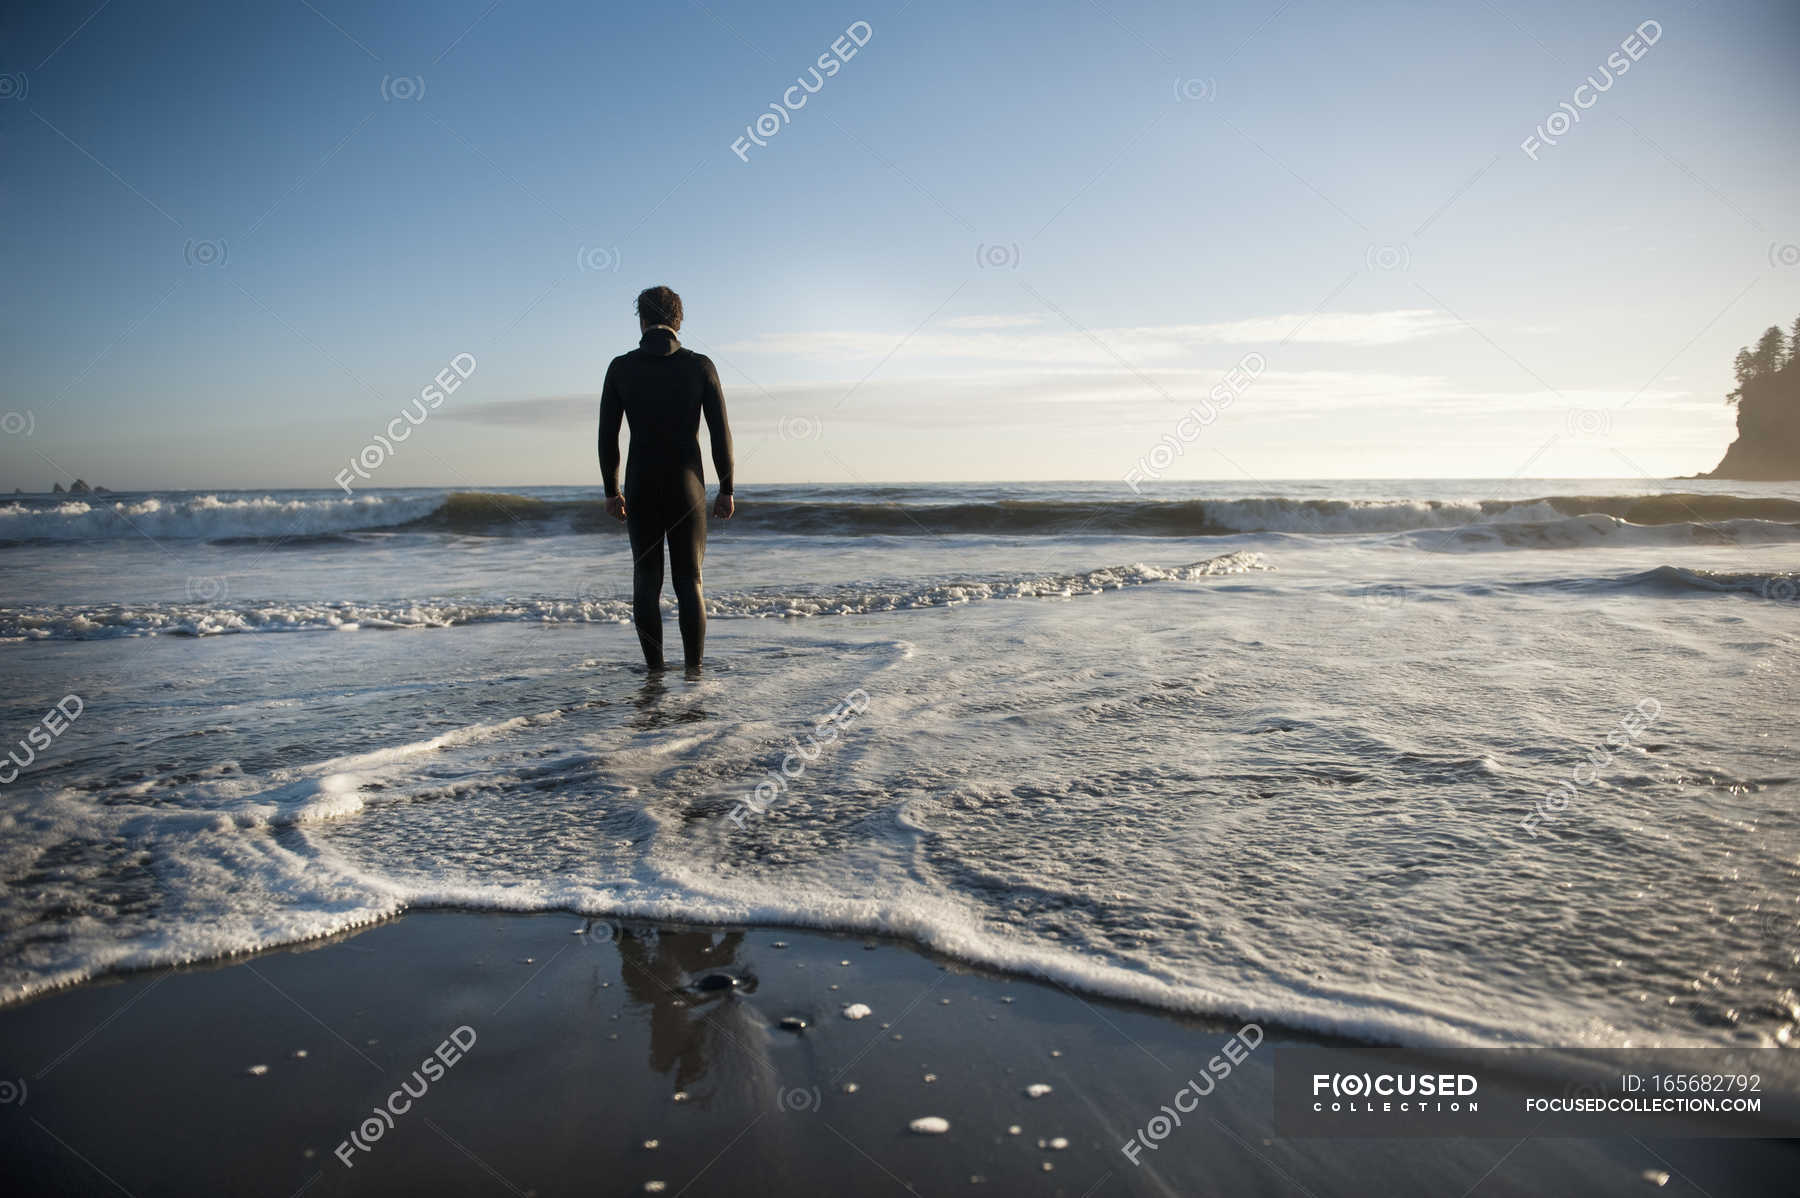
(1767,398)
(78,487)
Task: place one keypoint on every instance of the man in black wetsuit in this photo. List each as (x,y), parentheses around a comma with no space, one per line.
(663,390)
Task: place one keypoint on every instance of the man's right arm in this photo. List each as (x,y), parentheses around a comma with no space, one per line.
(612,414)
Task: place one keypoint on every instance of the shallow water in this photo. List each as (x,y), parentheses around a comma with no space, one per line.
(1314,782)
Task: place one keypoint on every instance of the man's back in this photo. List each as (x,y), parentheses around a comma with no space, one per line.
(663,390)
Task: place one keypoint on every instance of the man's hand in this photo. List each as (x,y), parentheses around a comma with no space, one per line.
(723,506)
(615,506)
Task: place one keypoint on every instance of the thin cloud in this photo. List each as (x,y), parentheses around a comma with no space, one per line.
(1074,398)
(985,340)
(993,322)
(555,411)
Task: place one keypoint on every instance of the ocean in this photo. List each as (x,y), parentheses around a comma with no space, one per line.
(1433,763)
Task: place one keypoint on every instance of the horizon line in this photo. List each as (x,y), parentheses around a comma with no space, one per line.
(895,482)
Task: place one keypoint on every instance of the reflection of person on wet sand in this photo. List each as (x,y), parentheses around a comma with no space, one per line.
(662,973)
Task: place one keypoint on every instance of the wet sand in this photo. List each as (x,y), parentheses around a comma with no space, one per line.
(476,1053)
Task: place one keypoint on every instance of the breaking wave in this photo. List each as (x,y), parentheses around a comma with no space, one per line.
(317,516)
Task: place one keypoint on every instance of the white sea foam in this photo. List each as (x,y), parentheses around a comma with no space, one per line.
(213,833)
(45,622)
(1364,515)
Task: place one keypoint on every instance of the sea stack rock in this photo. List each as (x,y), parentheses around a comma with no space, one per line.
(79,487)
(1767,448)
(57,489)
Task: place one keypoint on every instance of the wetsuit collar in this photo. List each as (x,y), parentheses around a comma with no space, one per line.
(659,339)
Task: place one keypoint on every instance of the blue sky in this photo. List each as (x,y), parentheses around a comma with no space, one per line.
(1002,241)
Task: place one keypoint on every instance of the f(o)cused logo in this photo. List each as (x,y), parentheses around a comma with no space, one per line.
(204,253)
(799,428)
(1782,590)
(14,86)
(598,931)
(1588,422)
(1388,257)
(798,1100)
(19,424)
(402,87)
(597,258)
(1384,595)
(1583,1091)
(1784,254)
(207,588)
(12,1092)
(997,256)
(1196,89)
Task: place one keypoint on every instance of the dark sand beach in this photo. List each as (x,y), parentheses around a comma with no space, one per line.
(574,1057)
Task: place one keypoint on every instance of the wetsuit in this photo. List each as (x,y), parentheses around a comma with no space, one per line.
(663,390)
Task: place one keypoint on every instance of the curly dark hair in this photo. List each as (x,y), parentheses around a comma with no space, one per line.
(659,305)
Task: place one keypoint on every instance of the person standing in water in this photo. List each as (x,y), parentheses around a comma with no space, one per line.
(662,390)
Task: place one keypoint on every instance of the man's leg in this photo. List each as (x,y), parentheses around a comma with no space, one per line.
(687,549)
(646,533)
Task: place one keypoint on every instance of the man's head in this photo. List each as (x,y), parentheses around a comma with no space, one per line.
(658,305)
